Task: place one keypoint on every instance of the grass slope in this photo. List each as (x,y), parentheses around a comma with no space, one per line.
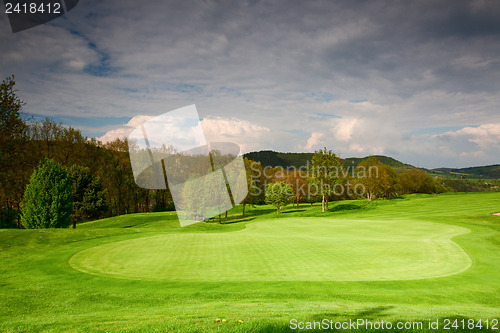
(41,291)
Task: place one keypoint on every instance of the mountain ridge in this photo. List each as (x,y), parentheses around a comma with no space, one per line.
(270,158)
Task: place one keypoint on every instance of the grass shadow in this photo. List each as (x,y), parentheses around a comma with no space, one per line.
(345,207)
(237,217)
(395,198)
(238,221)
(293,211)
(260,212)
(375,312)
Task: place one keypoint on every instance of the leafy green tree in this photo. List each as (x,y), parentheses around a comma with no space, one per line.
(47,202)
(368,174)
(378,179)
(195,197)
(389,182)
(419,181)
(89,196)
(327,170)
(278,194)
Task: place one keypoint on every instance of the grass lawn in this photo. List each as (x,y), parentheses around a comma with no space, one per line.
(419,258)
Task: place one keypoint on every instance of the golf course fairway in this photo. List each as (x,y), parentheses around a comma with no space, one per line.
(418,258)
(294,249)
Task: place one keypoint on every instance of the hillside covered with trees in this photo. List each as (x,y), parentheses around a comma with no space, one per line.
(480,172)
(473,179)
(269,158)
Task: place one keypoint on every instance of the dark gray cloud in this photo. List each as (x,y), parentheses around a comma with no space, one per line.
(384,68)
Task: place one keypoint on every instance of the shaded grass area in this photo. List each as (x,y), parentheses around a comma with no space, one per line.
(39,291)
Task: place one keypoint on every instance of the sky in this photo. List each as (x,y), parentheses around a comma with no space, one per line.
(415,80)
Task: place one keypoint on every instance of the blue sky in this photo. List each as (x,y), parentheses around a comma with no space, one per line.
(414,80)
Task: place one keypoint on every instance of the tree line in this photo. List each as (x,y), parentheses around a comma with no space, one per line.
(326,179)
(102,184)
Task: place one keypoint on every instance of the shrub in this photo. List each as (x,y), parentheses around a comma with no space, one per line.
(47,201)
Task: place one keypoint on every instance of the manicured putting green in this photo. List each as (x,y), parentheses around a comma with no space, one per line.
(292,249)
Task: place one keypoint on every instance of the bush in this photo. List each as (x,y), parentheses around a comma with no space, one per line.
(47,201)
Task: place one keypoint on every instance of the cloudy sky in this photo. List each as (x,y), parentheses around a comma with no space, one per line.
(416,80)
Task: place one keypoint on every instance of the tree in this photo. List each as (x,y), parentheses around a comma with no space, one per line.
(11,124)
(419,181)
(255,181)
(89,197)
(378,179)
(124,195)
(217,189)
(298,182)
(47,202)
(368,174)
(278,194)
(326,169)
(195,196)
(389,182)
(13,175)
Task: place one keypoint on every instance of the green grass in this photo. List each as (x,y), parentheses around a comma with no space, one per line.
(291,249)
(418,258)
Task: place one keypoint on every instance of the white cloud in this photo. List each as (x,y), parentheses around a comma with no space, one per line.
(483,140)
(313,142)
(249,136)
(344,128)
(138,120)
(484,136)
(123,132)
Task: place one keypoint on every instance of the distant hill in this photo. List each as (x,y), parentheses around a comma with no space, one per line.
(480,172)
(384,159)
(475,179)
(269,158)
